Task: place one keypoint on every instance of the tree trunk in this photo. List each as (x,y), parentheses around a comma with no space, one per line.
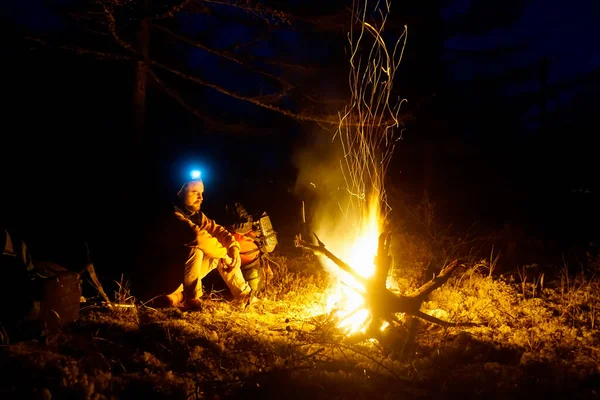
(141,81)
(544,94)
(428,166)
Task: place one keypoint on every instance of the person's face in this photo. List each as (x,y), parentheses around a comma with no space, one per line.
(194,195)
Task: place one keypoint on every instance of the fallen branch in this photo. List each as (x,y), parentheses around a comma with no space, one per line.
(383,303)
(320,249)
(436,281)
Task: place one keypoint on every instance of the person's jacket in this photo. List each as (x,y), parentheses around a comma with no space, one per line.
(197,230)
(163,249)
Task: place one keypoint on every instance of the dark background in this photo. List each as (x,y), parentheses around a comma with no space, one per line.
(502,99)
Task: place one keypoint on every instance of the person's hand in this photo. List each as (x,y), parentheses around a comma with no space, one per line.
(234,254)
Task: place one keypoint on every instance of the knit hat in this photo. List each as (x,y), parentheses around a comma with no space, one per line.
(181,191)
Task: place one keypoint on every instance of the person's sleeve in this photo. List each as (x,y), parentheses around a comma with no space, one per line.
(190,234)
(219,232)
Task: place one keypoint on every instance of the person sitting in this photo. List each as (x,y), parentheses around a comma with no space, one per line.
(182,249)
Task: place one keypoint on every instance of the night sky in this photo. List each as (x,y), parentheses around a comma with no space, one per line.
(502,97)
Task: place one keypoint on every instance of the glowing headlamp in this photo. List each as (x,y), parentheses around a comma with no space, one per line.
(195,174)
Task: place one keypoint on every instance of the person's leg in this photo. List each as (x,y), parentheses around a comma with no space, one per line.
(254,277)
(177,296)
(187,294)
(235,281)
(196,267)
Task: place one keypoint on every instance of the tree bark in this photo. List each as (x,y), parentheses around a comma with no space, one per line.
(141,80)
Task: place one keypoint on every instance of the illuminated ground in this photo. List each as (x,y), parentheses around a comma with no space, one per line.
(540,340)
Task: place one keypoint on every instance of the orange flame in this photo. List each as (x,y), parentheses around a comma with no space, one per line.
(355,242)
(367,136)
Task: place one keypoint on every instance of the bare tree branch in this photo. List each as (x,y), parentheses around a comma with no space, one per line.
(112,27)
(108,11)
(255,8)
(329,120)
(80,50)
(218,125)
(225,55)
(172,11)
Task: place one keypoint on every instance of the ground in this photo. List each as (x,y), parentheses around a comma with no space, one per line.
(538,339)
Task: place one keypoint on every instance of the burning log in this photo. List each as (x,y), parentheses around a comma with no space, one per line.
(381,302)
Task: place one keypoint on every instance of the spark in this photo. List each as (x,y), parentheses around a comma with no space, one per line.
(367,132)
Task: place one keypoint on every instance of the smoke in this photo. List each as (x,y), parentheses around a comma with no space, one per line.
(320,182)
(328,204)
(341,174)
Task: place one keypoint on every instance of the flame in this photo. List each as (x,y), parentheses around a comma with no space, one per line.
(366,138)
(357,247)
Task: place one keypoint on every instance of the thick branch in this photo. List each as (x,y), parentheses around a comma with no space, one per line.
(322,250)
(436,282)
(445,324)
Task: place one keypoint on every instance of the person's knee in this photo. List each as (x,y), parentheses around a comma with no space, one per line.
(198,264)
(196,255)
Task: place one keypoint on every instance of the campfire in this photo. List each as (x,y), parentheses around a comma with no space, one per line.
(358,244)
(366,137)
(367,305)
(361,300)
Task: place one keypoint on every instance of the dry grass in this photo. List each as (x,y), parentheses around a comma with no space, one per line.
(550,332)
(541,338)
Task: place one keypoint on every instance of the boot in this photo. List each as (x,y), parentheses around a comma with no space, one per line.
(191,305)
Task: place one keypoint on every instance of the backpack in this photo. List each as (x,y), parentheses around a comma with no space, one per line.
(15,285)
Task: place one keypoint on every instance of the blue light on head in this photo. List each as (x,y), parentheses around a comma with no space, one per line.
(195,174)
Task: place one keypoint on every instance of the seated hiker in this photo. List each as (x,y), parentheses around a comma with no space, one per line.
(183,248)
(254,245)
